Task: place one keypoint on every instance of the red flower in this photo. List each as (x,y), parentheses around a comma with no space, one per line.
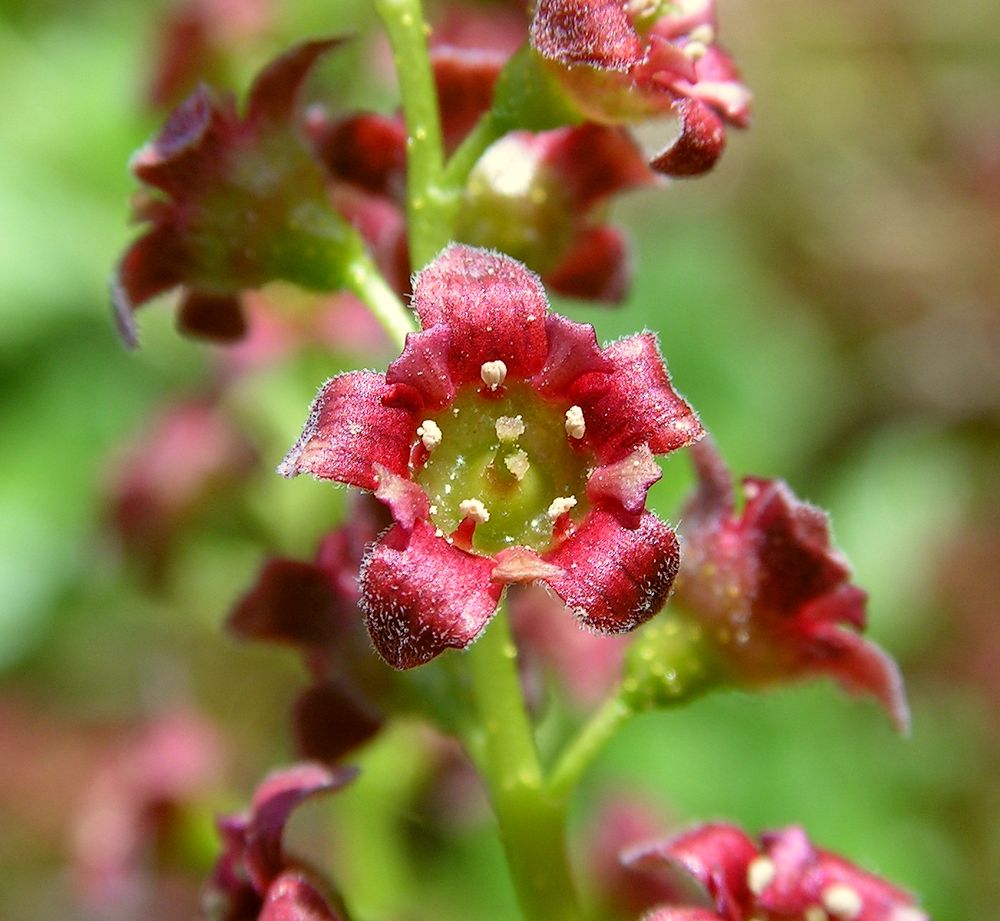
(622,62)
(773,592)
(235,202)
(254,878)
(510,448)
(784,877)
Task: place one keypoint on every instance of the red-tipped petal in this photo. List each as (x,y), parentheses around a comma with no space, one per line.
(291,897)
(494,307)
(275,92)
(594,32)
(407,501)
(572,352)
(349,430)
(859,666)
(596,267)
(421,595)
(215,317)
(273,804)
(699,145)
(626,481)
(423,366)
(330,720)
(616,577)
(635,404)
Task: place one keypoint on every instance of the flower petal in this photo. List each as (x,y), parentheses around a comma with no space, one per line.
(367,150)
(292,897)
(713,500)
(595,268)
(420,595)
(330,720)
(572,352)
(274,93)
(626,481)
(465,78)
(598,33)
(616,577)
(424,366)
(697,147)
(519,564)
(215,317)
(635,404)
(494,307)
(349,430)
(407,501)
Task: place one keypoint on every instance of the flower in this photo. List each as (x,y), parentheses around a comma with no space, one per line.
(233,202)
(622,62)
(772,591)
(254,878)
(509,448)
(783,877)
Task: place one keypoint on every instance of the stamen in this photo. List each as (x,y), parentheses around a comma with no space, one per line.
(695,50)
(429,432)
(474,509)
(493,373)
(842,901)
(517,463)
(509,428)
(703,33)
(760,874)
(561,506)
(576,425)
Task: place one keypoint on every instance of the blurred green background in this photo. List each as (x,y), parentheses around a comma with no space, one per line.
(827,298)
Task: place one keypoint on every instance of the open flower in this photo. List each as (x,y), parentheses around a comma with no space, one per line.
(783,877)
(233,203)
(623,62)
(510,448)
(772,591)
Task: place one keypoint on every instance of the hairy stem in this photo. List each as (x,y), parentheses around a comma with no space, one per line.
(532,823)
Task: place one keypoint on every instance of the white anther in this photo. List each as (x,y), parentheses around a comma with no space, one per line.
(695,51)
(576,425)
(509,428)
(760,874)
(842,901)
(429,432)
(561,506)
(493,373)
(703,33)
(517,464)
(474,509)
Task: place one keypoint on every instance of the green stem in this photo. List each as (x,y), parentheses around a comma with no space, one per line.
(476,143)
(580,753)
(368,284)
(429,229)
(532,823)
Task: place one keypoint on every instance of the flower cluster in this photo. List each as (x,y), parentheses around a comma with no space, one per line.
(510,448)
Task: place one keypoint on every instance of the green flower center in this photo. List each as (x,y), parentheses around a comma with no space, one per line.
(507,461)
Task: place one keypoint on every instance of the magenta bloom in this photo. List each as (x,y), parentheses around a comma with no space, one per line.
(510,448)
(773,592)
(233,202)
(784,878)
(623,62)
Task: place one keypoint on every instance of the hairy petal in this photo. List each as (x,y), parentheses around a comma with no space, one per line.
(424,366)
(292,897)
(349,430)
(594,32)
(421,595)
(635,404)
(616,577)
(697,147)
(572,352)
(407,501)
(626,481)
(494,307)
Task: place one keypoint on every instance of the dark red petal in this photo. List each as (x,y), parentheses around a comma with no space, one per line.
(713,500)
(274,93)
(626,481)
(368,150)
(594,32)
(494,307)
(716,855)
(423,365)
(465,78)
(407,501)
(216,317)
(595,161)
(635,404)
(330,720)
(699,145)
(859,666)
(349,430)
(595,268)
(273,803)
(572,352)
(421,595)
(291,897)
(616,577)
